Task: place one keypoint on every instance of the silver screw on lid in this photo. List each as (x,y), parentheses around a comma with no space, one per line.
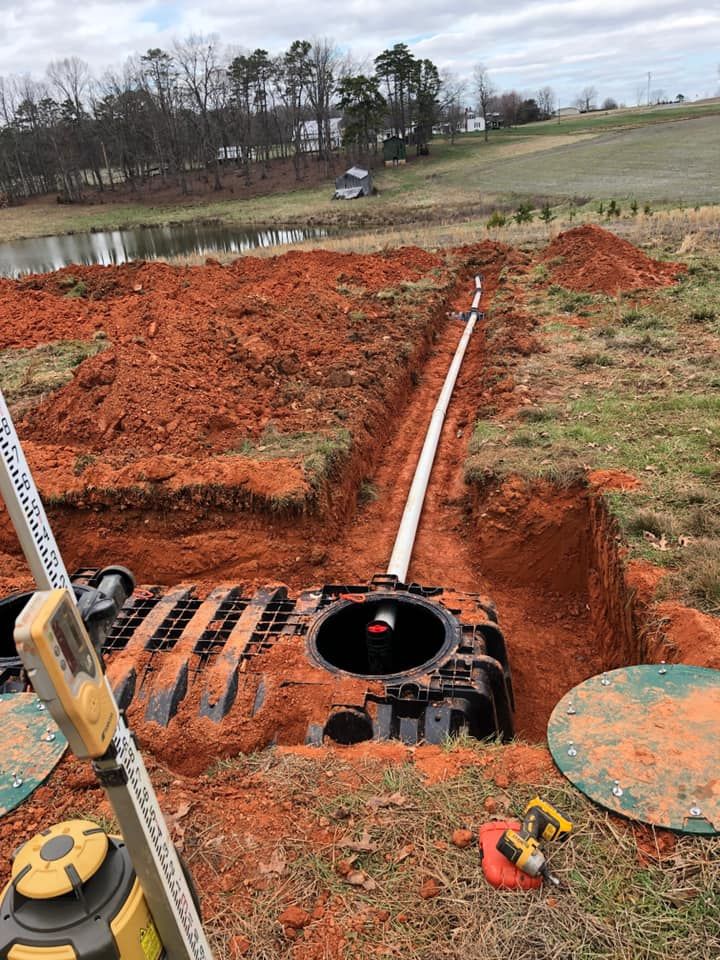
(695,811)
(572,750)
(617,789)
(17,781)
(571,709)
(605,680)
(49,735)
(663,669)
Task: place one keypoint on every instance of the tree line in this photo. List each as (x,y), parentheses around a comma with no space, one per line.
(169,114)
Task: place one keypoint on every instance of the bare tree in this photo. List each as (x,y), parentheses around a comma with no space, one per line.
(453,91)
(546,101)
(201,74)
(609,103)
(484,92)
(325,62)
(585,100)
(508,105)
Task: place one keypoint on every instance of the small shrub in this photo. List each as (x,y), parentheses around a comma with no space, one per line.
(496,220)
(78,290)
(82,462)
(647,210)
(601,208)
(584,360)
(538,414)
(633,206)
(546,214)
(523,214)
(614,209)
(702,316)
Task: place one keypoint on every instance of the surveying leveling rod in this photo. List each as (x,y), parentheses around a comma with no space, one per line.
(68,676)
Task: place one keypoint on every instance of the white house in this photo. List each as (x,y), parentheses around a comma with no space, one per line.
(309,134)
(474,124)
(568,112)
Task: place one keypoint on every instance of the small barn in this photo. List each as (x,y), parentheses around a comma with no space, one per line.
(394,151)
(355,182)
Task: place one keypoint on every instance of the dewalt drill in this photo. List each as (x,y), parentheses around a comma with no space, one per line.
(541,822)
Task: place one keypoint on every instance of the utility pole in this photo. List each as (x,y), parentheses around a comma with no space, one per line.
(649,76)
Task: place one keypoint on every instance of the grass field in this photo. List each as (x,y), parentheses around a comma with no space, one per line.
(663,156)
(616,902)
(628,382)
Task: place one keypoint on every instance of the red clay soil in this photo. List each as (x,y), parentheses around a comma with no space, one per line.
(593,260)
(201,358)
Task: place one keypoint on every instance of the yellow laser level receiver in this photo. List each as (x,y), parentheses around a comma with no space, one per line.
(65,671)
(73,895)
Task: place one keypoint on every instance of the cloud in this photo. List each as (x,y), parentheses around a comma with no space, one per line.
(524,43)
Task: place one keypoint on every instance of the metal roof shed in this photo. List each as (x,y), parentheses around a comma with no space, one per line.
(355,182)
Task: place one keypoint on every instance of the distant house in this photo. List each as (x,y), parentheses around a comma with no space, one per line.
(472,123)
(354,183)
(237,154)
(394,151)
(568,112)
(467,124)
(309,134)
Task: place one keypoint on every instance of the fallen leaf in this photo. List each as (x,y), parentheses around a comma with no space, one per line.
(358,878)
(175,826)
(276,863)
(404,852)
(363,845)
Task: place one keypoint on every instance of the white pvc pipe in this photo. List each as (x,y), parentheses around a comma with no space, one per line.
(405,540)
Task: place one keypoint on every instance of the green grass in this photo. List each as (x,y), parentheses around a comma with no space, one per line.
(612,904)
(322,455)
(28,373)
(636,390)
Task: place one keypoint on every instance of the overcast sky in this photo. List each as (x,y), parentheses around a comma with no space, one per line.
(525,43)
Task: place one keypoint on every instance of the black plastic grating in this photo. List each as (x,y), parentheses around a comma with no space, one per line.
(127,622)
(214,638)
(171,629)
(276,616)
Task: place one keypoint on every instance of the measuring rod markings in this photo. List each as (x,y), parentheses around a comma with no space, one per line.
(26,510)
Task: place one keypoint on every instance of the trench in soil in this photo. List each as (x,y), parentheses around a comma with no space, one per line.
(546,557)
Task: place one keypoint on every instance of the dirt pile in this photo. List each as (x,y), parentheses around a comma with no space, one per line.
(199,359)
(593,260)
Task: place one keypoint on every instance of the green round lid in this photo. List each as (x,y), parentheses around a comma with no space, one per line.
(32,746)
(644,742)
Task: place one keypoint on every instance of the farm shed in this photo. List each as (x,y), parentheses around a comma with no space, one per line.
(394,151)
(355,182)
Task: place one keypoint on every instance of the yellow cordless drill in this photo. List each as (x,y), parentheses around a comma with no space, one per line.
(522,848)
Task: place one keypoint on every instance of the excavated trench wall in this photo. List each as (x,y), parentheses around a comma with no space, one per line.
(552,562)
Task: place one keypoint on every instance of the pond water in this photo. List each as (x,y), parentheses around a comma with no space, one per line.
(43,254)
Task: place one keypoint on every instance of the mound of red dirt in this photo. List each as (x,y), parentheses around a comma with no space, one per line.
(200,359)
(593,260)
